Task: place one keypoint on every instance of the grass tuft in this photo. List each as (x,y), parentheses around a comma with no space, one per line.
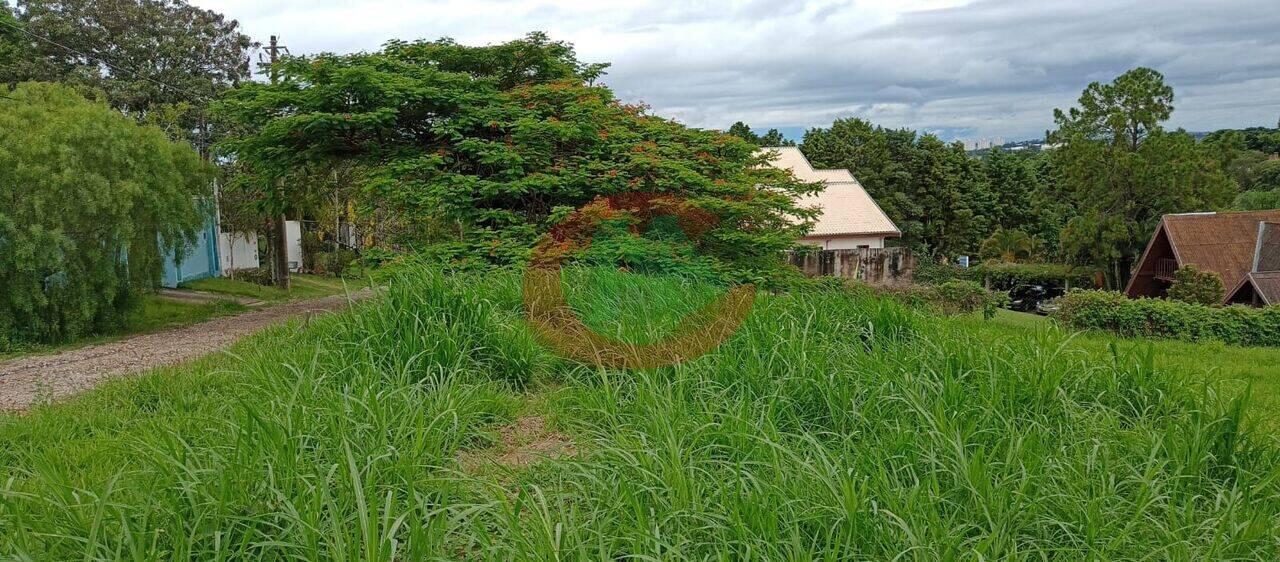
(832,426)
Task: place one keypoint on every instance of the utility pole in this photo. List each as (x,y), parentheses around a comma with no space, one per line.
(279,230)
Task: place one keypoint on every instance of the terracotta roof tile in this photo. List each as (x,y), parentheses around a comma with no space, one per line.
(1269,254)
(847,208)
(1221,242)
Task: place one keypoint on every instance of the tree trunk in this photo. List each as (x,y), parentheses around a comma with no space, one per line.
(280,252)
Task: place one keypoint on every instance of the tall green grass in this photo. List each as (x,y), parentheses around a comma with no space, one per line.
(831,427)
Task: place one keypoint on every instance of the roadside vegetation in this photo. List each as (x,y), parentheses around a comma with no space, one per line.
(833,425)
(302,286)
(154,313)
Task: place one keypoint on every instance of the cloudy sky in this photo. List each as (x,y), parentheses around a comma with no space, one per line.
(962,69)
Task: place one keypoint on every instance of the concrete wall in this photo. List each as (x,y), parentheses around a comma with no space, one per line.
(238,250)
(846,242)
(881,266)
(196,261)
(293,238)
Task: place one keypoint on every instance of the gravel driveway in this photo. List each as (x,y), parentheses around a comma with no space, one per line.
(27,380)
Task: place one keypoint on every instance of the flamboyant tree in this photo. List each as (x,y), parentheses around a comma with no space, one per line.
(481,149)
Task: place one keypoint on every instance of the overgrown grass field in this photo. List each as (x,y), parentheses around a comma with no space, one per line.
(833,426)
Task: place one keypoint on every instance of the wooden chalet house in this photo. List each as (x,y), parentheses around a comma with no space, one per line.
(1242,247)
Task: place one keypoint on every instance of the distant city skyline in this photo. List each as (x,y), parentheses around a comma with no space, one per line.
(956,68)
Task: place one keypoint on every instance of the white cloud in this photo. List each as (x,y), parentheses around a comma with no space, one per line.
(990,68)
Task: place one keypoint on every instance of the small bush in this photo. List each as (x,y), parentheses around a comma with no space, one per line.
(257,275)
(951,297)
(933,273)
(1007,276)
(1192,285)
(1105,310)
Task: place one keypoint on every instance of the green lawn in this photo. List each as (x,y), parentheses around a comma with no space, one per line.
(153,315)
(831,426)
(1232,367)
(303,286)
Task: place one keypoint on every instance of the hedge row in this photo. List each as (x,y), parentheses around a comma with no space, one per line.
(951,297)
(1105,310)
(1007,276)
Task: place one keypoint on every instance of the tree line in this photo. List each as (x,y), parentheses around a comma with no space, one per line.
(1092,198)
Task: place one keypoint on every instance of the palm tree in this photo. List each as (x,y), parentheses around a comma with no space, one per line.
(1009,246)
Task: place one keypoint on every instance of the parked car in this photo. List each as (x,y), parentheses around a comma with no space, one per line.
(1031,298)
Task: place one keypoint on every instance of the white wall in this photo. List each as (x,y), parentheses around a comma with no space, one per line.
(846,242)
(293,238)
(238,250)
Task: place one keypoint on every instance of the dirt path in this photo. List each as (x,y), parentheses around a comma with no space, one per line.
(27,380)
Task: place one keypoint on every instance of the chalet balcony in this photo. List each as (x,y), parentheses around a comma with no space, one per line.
(1165,268)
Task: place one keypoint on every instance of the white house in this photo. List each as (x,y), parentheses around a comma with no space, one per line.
(849,218)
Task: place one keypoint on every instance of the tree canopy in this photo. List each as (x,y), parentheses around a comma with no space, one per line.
(772,137)
(934,192)
(478,150)
(1122,171)
(156,60)
(89,197)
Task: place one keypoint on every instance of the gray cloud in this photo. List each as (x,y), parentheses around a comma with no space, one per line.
(985,68)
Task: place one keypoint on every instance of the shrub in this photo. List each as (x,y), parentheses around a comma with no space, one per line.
(932,273)
(1105,310)
(1007,276)
(1192,285)
(951,297)
(88,194)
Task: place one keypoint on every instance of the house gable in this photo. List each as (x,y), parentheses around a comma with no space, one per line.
(1225,243)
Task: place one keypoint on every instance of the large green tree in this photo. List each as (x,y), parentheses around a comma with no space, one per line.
(772,137)
(87,200)
(937,195)
(156,60)
(479,151)
(1122,171)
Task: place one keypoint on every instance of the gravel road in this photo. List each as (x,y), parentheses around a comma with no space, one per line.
(27,380)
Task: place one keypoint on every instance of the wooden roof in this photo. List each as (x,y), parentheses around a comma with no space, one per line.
(1266,285)
(1225,243)
(1269,248)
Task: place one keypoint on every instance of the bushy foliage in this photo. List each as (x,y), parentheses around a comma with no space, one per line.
(1257,200)
(480,150)
(1006,276)
(89,199)
(1112,311)
(949,297)
(1122,170)
(932,272)
(1191,284)
(170,57)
